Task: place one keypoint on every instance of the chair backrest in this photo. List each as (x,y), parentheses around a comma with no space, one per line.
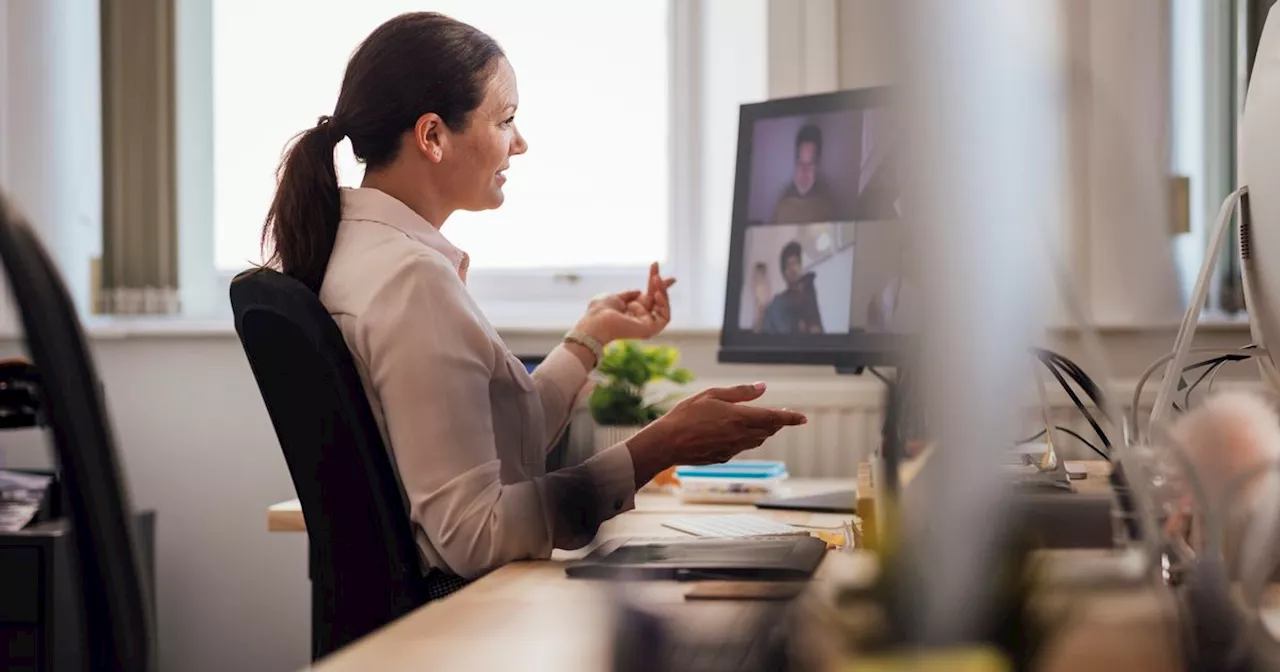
(116,608)
(364,561)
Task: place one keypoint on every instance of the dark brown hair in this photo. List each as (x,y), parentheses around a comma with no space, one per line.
(791,249)
(809,134)
(411,65)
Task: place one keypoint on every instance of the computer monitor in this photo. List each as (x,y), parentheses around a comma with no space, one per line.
(816,272)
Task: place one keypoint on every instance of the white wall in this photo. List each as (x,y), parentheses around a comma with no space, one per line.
(52,124)
(864,47)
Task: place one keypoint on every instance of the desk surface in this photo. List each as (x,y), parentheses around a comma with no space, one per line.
(529,616)
(287,516)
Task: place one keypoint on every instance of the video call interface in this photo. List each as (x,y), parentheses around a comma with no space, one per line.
(823,251)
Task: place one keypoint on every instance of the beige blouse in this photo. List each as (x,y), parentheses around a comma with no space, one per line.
(467,426)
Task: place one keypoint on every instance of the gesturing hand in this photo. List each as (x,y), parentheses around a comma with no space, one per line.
(634,314)
(706,428)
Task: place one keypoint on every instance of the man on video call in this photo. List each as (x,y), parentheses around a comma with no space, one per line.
(795,309)
(806,199)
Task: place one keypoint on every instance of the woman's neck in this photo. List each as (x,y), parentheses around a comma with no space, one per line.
(421,199)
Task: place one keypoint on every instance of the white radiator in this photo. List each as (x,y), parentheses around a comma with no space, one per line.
(845,419)
(844,427)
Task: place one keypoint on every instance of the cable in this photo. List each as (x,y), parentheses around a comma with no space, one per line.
(1081,439)
(1102,435)
(1068,430)
(1082,379)
(1212,377)
(1212,368)
(1090,388)
(1247,352)
(883,378)
(1049,460)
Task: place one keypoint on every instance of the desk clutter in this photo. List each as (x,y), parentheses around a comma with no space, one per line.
(24,497)
(736,482)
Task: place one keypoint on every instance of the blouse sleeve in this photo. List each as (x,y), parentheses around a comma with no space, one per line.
(559,379)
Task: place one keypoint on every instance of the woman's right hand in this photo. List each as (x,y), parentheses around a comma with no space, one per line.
(706,428)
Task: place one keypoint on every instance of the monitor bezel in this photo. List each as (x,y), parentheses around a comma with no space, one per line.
(851,350)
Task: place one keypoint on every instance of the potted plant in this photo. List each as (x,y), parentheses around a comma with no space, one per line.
(621,404)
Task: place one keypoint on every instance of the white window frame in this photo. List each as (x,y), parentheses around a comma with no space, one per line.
(517,298)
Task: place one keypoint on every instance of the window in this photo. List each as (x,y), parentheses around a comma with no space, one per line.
(612,116)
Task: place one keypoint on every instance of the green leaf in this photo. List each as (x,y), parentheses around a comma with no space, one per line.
(627,367)
(659,360)
(681,376)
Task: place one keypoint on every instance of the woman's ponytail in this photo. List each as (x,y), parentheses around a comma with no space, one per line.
(303,221)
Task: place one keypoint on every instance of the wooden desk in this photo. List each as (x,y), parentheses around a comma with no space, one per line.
(529,616)
(286,517)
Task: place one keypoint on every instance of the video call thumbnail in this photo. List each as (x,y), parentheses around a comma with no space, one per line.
(797,278)
(828,167)
(826,278)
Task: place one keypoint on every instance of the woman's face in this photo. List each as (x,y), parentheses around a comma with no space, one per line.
(481,153)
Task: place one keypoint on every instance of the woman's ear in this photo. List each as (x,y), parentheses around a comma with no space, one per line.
(431,137)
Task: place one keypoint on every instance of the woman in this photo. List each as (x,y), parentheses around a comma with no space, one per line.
(429,105)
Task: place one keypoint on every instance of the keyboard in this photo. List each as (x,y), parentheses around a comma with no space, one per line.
(733,526)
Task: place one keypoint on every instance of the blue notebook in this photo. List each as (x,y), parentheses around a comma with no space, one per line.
(739,469)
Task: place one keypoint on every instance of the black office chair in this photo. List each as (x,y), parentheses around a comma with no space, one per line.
(365,570)
(116,609)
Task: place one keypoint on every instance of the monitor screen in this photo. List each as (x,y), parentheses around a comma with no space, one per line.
(816,272)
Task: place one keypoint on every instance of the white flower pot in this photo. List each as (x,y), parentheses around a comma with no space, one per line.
(612,435)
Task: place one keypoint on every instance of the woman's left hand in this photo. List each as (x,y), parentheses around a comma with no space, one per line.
(630,315)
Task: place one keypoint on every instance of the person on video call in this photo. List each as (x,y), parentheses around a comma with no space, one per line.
(761,293)
(806,199)
(795,309)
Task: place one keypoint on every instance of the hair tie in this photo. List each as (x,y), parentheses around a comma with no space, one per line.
(331,125)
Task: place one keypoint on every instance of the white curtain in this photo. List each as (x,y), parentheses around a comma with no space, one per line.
(1118,139)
